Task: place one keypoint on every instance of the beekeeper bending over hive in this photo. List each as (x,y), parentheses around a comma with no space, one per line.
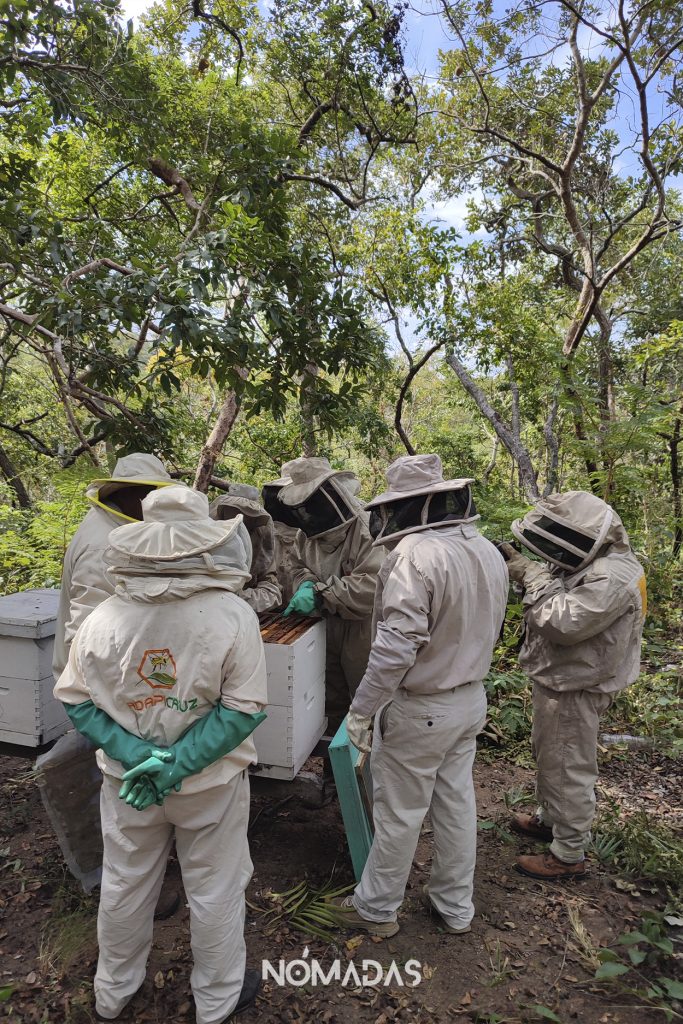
(440,603)
(262,592)
(584,607)
(336,569)
(167,677)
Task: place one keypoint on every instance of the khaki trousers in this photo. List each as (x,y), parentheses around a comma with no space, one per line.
(564,741)
(210,831)
(422,754)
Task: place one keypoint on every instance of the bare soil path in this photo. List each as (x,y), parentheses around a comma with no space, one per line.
(529,947)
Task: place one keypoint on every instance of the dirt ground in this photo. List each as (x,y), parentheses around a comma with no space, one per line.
(526,948)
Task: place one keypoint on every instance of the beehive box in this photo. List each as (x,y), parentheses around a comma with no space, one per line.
(296,695)
(29,714)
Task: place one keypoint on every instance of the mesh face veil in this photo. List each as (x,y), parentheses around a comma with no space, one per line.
(323,510)
(278,511)
(569,547)
(421,511)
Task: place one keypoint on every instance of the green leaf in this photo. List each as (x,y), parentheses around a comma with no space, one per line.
(5,993)
(611,970)
(674,989)
(637,955)
(608,956)
(545,1013)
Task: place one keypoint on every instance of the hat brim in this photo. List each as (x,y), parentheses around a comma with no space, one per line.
(109,485)
(172,540)
(296,494)
(256,513)
(444,485)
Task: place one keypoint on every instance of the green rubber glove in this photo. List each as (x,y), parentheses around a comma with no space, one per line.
(305,601)
(114,740)
(209,739)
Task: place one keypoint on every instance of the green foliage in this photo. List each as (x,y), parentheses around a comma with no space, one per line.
(640,846)
(32,543)
(508,723)
(652,706)
(634,963)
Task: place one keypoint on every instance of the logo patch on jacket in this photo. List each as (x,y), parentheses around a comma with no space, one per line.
(158,668)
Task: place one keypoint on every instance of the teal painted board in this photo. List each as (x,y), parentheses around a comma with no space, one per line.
(354,798)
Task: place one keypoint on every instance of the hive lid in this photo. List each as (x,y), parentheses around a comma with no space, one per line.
(30,613)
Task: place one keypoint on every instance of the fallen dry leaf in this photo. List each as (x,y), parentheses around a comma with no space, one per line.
(159,980)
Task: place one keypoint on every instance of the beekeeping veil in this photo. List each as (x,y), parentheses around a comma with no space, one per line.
(419,498)
(317,497)
(243,499)
(570,529)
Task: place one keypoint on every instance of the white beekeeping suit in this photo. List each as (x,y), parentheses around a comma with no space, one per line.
(439,606)
(584,608)
(85,583)
(173,651)
(262,591)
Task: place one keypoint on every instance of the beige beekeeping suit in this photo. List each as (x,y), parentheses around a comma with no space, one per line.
(174,640)
(582,645)
(262,591)
(439,606)
(343,564)
(84,580)
(584,628)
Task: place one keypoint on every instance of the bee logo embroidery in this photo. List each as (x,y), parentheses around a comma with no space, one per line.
(158,668)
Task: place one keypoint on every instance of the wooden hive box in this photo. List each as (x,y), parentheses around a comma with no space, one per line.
(296,695)
(29,714)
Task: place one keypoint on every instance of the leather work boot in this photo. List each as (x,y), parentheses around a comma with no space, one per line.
(168,902)
(548,868)
(250,989)
(427,901)
(531,825)
(350,918)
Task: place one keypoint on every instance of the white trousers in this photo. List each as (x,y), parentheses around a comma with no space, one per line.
(422,754)
(210,831)
(564,741)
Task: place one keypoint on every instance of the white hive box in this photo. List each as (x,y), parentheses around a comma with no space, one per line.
(29,714)
(296,704)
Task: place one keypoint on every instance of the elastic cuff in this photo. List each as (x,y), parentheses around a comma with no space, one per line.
(566,855)
(370,915)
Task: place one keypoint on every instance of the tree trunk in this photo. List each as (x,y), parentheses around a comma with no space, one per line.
(309,438)
(527,473)
(11,475)
(215,441)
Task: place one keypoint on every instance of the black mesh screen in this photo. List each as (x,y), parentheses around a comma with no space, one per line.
(279,512)
(553,549)
(577,540)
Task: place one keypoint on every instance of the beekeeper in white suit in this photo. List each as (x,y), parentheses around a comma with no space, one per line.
(262,592)
(167,677)
(584,607)
(440,603)
(335,573)
(85,584)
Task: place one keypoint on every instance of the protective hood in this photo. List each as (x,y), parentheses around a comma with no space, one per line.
(308,475)
(241,499)
(418,499)
(180,546)
(140,469)
(570,529)
(319,499)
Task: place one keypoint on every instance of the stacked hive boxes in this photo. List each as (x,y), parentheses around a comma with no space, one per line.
(29,714)
(295,661)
